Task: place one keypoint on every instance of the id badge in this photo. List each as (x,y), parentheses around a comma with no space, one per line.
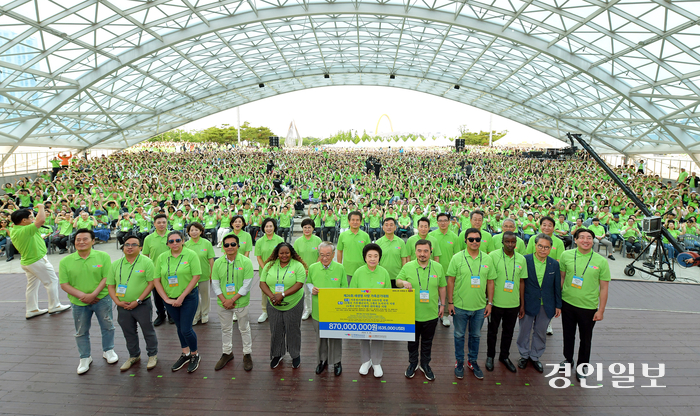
(279,288)
(424,296)
(577,282)
(476,281)
(172,281)
(509,286)
(231,289)
(121,291)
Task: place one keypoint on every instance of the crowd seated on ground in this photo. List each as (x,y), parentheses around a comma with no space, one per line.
(210,183)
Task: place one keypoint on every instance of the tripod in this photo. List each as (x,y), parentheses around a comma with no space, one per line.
(655,266)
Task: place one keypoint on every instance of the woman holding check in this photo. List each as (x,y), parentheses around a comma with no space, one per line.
(179,270)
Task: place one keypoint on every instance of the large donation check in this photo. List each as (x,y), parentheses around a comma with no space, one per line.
(382,314)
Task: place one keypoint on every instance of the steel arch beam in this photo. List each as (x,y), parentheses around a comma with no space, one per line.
(26,128)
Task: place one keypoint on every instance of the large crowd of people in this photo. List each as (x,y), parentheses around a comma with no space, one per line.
(474,234)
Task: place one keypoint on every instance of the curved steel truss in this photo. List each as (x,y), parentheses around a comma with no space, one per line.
(101,73)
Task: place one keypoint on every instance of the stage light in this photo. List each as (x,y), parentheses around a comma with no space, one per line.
(326,76)
(392,76)
(261,85)
(456,87)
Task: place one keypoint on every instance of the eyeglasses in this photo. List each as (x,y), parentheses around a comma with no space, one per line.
(131,245)
(179,240)
(227,245)
(473,239)
(541,247)
(443,221)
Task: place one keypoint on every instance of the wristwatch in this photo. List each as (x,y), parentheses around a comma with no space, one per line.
(283,295)
(139,301)
(490,303)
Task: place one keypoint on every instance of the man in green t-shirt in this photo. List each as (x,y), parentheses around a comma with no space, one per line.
(307,247)
(83,275)
(394,254)
(600,238)
(427,280)
(423,228)
(585,279)
(26,237)
(153,246)
(232,279)
(449,244)
(129,283)
(508,291)
(351,243)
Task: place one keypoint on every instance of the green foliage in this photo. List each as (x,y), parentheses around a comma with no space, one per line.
(223,134)
(481,138)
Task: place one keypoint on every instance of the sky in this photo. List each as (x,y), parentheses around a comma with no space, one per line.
(322,112)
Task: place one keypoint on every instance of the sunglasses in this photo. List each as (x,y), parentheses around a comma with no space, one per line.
(179,240)
(473,239)
(227,245)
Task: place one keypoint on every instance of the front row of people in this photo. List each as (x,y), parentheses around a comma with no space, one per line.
(503,286)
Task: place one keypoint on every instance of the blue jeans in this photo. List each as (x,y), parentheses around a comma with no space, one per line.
(82,315)
(526,237)
(183,317)
(671,251)
(475,319)
(614,238)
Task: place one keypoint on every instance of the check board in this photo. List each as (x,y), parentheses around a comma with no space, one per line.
(381,314)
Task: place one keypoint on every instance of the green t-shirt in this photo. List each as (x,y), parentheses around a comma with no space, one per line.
(155,245)
(239,273)
(429,278)
(307,249)
(28,242)
(210,222)
(555,253)
(587,293)
(183,267)
(411,246)
(485,241)
(245,241)
(135,277)
(80,223)
(393,253)
(85,274)
(508,272)
(497,244)
(204,251)
(364,278)
(351,245)
(597,230)
(471,276)
(333,277)
(449,245)
(265,246)
(65,227)
(285,220)
(290,275)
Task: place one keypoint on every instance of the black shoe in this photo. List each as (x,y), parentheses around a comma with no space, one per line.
(489,363)
(509,364)
(62,251)
(225,358)
(184,359)
(321,366)
(194,363)
(538,366)
(247,362)
(337,369)
(522,363)
(275,362)
(562,365)
(580,376)
(611,257)
(159,320)
(427,371)
(10,259)
(411,370)
(170,320)
(296,362)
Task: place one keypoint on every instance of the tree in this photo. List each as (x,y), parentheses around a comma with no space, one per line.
(481,138)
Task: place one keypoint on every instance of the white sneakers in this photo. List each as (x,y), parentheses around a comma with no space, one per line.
(262,318)
(235,317)
(84,365)
(38,312)
(110,356)
(364,368)
(61,308)
(550,331)
(306,315)
(445,321)
(377,370)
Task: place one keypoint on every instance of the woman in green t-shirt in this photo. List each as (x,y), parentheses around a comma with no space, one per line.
(205,253)
(281,281)
(371,276)
(177,276)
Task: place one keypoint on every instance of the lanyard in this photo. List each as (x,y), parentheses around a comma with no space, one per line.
(506,268)
(285,273)
(132,269)
(430,266)
(178,264)
(589,262)
(228,264)
(470,267)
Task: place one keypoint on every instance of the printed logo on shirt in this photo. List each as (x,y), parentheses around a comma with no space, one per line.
(518,266)
(243,242)
(398,248)
(450,242)
(239,268)
(184,262)
(433,275)
(593,267)
(97,265)
(314,248)
(361,241)
(140,271)
(485,266)
(291,272)
(380,283)
(334,279)
(365,291)
(204,249)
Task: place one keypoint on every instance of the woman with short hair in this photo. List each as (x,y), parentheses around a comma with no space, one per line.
(205,253)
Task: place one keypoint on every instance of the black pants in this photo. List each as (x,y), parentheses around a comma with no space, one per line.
(254,233)
(328,233)
(213,234)
(572,316)
(158,302)
(54,172)
(61,241)
(425,331)
(568,241)
(509,316)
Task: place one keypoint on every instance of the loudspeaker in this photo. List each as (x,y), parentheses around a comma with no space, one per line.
(459,144)
(274,141)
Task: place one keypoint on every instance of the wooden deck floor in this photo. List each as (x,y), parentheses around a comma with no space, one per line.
(39,360)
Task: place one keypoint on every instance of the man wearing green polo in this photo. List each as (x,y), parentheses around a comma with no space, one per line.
(153,246)
(449,244)
(497,240)
(394,253)
(307,248)
(423,228)
(476,218)
(83,275)
(351,243)
(427,280)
